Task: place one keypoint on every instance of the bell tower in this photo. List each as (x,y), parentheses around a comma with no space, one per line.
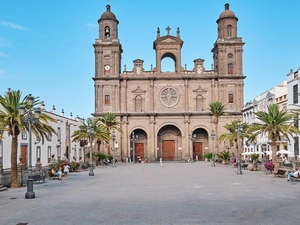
(108,50)
(228,49)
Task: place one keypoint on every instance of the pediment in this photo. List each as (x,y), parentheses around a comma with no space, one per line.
(199,89)
(168,40)
(138,90)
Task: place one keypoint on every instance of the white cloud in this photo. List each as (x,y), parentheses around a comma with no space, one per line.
(2,54)
(12,25)
(91,25)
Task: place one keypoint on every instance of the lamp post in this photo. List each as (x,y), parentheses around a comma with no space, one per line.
(213,135)
(91,132)
(133,139)
(239,130)
(113,137)
(30,120)
(192,138)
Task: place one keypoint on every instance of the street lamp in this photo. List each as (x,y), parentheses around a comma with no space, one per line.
(30,120)
(133,139)
(90,130)
(239,130)
(192,138)
(213,135)
(113,137)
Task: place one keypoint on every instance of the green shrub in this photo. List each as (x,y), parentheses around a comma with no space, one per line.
(208,155)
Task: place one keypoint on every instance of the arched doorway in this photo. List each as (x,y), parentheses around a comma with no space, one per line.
(199,143)
(169,142)
(138,145)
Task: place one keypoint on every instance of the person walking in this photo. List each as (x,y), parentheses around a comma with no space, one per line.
(161,162)
(66,171)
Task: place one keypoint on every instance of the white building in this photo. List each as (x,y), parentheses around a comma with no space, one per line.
(261,103)
(60,145)
(293,81)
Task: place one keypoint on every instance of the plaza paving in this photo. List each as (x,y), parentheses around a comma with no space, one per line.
(178,193)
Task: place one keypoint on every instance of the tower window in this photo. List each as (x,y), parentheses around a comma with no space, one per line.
(107,99)
(138,104)
(229,31)
(230,98)
(230,68)
(107,32)
(199,103)
(295,93)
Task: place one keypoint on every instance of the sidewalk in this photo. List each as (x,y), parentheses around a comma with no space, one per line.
(178,193)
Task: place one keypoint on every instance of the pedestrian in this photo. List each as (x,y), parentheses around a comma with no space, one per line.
(161,162)
(294,173)
(66,171)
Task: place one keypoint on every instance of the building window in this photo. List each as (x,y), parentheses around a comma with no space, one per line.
(49,154)
(199,103)
(230,68)
(296,145)
(107,99)
(229,31)
(24,134)
(107,32)
(296,122)
(230,98)
(58,134)
(49,137)
(295,74)
(38,153)
(295,94)
(138,104)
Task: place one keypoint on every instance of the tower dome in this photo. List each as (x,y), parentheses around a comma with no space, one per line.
(227,13)
(108,15)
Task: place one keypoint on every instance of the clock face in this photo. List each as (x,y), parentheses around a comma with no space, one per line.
(106,67)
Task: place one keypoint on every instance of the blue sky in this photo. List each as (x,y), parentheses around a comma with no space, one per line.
(46,46)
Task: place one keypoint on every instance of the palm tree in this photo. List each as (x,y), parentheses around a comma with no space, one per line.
(110,122)
(232,136)
(217,109)
(100,133)
(13,125)
(275,123)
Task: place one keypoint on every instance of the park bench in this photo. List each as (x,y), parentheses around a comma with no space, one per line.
(38,178)
(280,173)
(245,166)
(85,166)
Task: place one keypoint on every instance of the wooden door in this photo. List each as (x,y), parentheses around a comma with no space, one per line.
(139,150)
(24,154)
(168,150)
(197,150)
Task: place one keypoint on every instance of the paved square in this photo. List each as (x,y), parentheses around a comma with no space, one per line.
(178,193)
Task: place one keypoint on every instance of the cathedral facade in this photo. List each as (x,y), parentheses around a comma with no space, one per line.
(166,114)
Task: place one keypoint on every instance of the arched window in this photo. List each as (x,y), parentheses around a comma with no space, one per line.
(107,32)
(199,103)
(138,104)
(229,31)
(230,68)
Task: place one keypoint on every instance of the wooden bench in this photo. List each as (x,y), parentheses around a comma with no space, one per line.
(280,173)
(38,178)
(245,166)
(85,166)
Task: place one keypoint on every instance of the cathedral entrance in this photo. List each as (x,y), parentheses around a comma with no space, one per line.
(139,151)
(169,142)
(197,150)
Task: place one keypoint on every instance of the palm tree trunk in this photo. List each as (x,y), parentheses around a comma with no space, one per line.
(274,156)
(13,161)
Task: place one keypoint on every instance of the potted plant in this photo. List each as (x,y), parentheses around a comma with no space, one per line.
(254,158)
(225,156)
(208,156)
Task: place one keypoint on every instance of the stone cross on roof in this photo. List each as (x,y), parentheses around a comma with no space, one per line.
(168,29)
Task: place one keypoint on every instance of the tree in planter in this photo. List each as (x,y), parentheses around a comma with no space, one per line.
(254,158)
(224,155)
